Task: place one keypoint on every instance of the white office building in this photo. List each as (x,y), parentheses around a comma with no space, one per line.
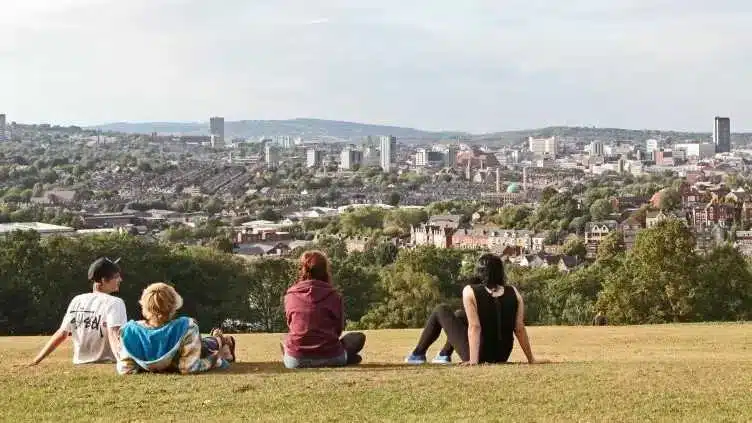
(450,156)
(651,145)
(421,157)
(596,148)
(548,147)
(349,158)
(696,150)
(314,157)
(388,147)
(271,155)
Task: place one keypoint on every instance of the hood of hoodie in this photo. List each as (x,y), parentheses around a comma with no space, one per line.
(314,291)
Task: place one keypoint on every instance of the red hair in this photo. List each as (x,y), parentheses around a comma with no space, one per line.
(314,265)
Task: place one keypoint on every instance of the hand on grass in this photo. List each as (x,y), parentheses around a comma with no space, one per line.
(540,361)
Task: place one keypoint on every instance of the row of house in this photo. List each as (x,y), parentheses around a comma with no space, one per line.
(542,260)
(446,232)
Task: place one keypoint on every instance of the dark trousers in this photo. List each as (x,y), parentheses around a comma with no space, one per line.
(455,327)
(353,343)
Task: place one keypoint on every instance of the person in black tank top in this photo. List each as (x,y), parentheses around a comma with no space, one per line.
(484,332)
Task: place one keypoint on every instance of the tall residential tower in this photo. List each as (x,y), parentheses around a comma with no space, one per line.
(217,131)
(722,134)
(388,146)
(3,133)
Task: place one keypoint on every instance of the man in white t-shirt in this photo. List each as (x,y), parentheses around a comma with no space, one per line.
(93,319)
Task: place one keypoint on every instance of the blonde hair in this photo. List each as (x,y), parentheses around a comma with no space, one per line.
(159,303)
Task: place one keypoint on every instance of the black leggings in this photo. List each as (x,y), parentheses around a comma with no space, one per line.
(455,326)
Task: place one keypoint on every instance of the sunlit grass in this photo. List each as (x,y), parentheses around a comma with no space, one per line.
(646,373)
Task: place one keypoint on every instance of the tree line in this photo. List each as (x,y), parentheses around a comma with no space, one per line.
(661,279)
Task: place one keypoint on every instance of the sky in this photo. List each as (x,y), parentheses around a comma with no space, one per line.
(472,65)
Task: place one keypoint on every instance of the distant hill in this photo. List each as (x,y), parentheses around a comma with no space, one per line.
(306,128)
(330,130)
(592,133)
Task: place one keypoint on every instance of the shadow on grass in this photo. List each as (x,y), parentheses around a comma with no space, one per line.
(278,367)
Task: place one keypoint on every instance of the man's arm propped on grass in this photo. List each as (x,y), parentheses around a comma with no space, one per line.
(57,338)
(113,335)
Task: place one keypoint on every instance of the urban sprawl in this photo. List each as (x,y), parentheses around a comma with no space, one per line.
(526,198)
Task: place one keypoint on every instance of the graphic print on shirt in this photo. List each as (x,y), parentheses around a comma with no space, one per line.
(80,317)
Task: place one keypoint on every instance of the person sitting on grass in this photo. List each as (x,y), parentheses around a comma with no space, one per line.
(93,319)
(494,312)
(315,319)
(163,343)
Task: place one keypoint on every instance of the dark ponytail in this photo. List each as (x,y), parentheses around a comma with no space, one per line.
(490,271)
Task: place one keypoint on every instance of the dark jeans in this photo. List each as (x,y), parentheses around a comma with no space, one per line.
(209,345)
(455,327)
(352,342)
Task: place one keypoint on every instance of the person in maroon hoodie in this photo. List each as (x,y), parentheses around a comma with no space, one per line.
(315,318)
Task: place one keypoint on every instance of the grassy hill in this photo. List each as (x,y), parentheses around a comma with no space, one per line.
(696,373)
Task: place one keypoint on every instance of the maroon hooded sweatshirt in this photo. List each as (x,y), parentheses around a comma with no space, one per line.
(315,320)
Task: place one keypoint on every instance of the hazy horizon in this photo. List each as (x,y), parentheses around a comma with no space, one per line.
(486,66)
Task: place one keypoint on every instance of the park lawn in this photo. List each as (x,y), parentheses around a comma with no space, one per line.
(699,373)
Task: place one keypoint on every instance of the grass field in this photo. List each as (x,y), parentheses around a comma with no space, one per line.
(697,373)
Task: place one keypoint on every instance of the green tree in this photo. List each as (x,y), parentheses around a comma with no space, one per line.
(656,281)
(724,290)
(358,220)
(611,246)
(269,214)
(444,264)
(269,279)
(601,209)
(512,217)
(358,285)
(574,246)
(393,199)
(222,244)
(48,176)
(409,296)
(670,199)
(403,219)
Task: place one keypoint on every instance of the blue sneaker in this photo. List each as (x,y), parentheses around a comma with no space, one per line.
(442,359)
(415,359)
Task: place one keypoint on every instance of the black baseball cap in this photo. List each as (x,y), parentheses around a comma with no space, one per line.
(103,268)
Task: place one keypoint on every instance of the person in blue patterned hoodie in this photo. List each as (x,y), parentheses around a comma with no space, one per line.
(163,343)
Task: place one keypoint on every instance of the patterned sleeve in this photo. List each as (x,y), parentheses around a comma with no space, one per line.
(125,364)
(190,360)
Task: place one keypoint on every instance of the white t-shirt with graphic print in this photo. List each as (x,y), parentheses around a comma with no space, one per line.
(87,319)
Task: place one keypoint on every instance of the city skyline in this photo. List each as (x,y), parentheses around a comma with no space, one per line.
(664,65)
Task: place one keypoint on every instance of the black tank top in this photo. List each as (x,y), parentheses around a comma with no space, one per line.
(497,319)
